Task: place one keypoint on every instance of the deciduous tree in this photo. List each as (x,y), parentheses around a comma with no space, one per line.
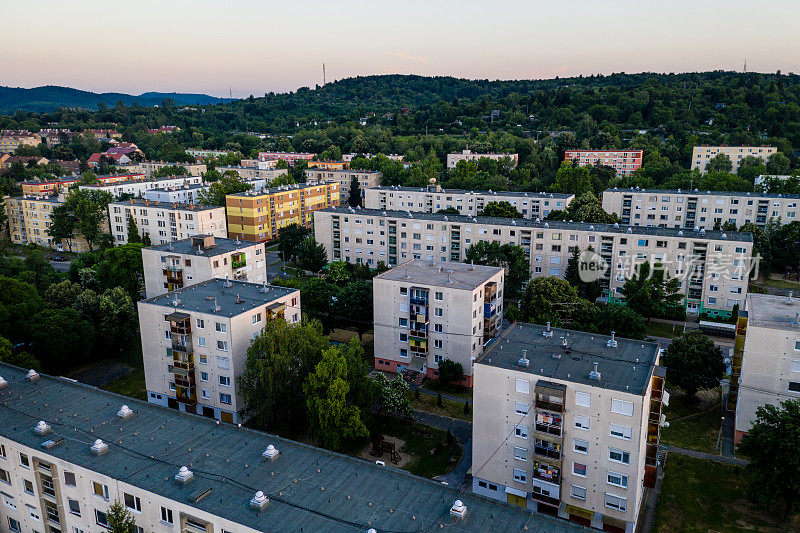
(693,361)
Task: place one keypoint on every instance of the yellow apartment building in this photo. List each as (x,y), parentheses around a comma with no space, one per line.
(29,221)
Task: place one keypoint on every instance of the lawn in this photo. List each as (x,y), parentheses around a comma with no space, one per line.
(704,496)
(450,408)
(344,336)
(693,423)
(781,283)
(661,329)
(130,385)
(454,390)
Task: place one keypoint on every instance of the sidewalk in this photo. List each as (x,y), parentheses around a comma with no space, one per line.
(462,431)
(706,456)
(445,395)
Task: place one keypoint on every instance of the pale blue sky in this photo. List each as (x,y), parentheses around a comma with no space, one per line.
(260,46)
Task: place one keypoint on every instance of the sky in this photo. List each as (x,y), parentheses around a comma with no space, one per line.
(253,47)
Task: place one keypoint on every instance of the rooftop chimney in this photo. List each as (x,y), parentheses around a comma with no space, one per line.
(611,343)
(548,332)
(523,361)
(125,412)
(458,510)
(259,501)
(789,298)
(42,428)
(270,453)
(99,447)
(595,374)
(3,383)
(184,475)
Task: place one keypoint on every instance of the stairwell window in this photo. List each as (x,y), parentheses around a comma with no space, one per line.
(578,492)
(616,479)
(521,432)
(581,446)
(582,422)
(166,515)
(520,454)
(225,398)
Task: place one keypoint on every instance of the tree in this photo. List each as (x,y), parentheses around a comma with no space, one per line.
(311,256)
(331,420)
(573,179)
(122,266)
(652,293)
(500,209)
(117,318)
(778,164)
(19,301)
(278,361)
(548,299)
(354,199)
(620,319)
(83,212)
(448,211)
(61,336)
(450,372)
(217,191)
(88,178)
(694,361)
(771,446)
(392,396)
(584,208)
(509,256)
(62,295)
(590,290)
(133,231)
(22,359)
(719,163)
(120,519)
(354,305)
(290,239)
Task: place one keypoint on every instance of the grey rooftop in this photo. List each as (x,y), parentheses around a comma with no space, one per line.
(520,194)
(436,274)
(697,192)
(776,312)
(525,223)
(221,246)
(626,367)
(231,297)
(172,206)
(307,487)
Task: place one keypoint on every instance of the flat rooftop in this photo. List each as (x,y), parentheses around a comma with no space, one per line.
(190,186)
(626,367)
(520,194)
(232,297)
(281,188)
(697,192)
(148,180)
(437,274)
(770,311)
(221,246)
(308,487)
(526,223)
(342,171)
(173,206)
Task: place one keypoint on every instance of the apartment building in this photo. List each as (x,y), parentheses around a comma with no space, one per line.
(48,187)
(137,187)
(624,162)
(203,154)
(68,451)
(433,199)
(173,265)
(195,340)
(468,155)
(257,216)
(767,369)
(148,167)
(165,221)
(347,158)
(188,194)
(568,422)
(289,157)
(713,266)
(10,140)
(102,134)
(52,137)
(251,174)
(366,179)
(427,312)
(701,155)
(676,208)
(30,218)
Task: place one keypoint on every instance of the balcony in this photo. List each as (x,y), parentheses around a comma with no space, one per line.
(419,300)
(238,261)
(490,292)
(549,450)
(546,471)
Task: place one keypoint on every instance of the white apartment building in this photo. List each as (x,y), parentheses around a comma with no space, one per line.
(467,155)
(427,312)
(366,179)
(349,157)
(165,222)
(139,187)
(433,199)
(770,366)
(201,153)
(255,175)
(173,265)
(68,451)
(713,266)
(568,421)
(624,162)
(676,208)
(148,167)
(701,155)
(195,340)
(188,194)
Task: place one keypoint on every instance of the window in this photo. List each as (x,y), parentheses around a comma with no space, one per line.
(520,454)
(3,451)
(201,342)
(222,346)
(201,323)
(520,476)
(5,477)
(620,432)
(521,408)
(437,343)
(579,469)
(223,363)
(8,501)
(24,461)
(69,479)
(616,502)
(521,431)
(222,328)
(101,518)
(797,344)
(203,376)
(403,322)
(225,381)
(794,386)
(583,398)
(14,525)
(166,515)
(580,445)
(205,394)
(133,502)
(256,318)
(437,311)
(225,398)
(616,479)
(582,422)
(578,492)
(795,365)
(523,386)
(619,456)
(100,490)
(438,296)
(622,407)
(74,507)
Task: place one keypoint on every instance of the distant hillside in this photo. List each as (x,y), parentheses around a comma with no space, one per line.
(50,97)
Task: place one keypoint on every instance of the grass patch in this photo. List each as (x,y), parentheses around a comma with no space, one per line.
(450,408)
(781,283)
(704,496)
(420,442)
(132,385)
(661,329)
(693,422)
(454,390)
(344,336)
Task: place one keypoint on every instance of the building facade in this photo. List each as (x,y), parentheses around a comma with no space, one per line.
(675,208)
(366,179)
(257,216)
(10,140)
(768,369)
(202,154)
(165,221)
(568,422)
(48,188)
(30,218)
(701,155)
(174,265)
(427,312)
(148,167)
(624,162)
(713,266)
(468,155)
(137,187)
(433,199)
(188,194)
(251,174)
(289,157)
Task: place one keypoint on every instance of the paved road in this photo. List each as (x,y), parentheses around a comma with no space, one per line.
(706,456)
(61,266)
(462,430)
(274,267)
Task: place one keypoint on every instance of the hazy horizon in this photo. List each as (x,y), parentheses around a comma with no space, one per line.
(200,46)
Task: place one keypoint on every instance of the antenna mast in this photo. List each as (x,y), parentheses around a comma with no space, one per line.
(323,74)
(745,66)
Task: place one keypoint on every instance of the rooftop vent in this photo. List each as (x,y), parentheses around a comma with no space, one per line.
(548,332)
(32,375)
(595,374)
(724,235)
(259,501)
(789,298)
(523,361)
(611,343)
(99,447)
(3,383)
(184,475)
(680,233)
(264,288)
(227,282)
(616,224)
(270,453)
(42,428)
(459,510)
(52,443)
(629,230)
(215,307)
(125,412)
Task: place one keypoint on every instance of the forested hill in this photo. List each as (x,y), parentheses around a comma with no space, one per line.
(50,97)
